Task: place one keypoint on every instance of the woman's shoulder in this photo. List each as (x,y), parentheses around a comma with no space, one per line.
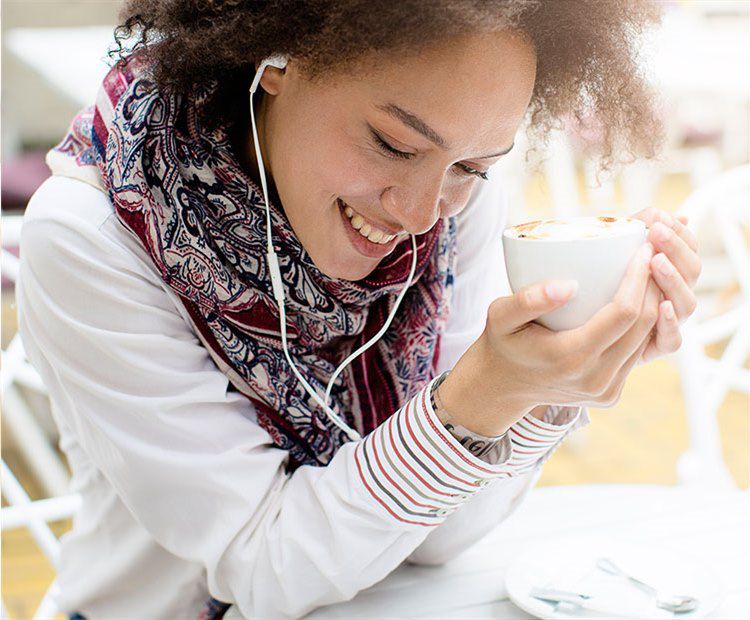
(73,244)
(72,223)
(69,201)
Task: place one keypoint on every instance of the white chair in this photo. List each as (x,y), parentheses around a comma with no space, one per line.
(34,445)
(723,313)
(21,512)
(19,419)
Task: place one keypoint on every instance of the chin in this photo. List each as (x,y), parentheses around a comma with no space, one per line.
(343,270)
(348,273)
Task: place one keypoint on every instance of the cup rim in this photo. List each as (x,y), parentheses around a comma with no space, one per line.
(641,227)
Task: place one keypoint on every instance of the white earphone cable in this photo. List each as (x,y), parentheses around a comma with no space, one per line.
(278,286)
(383,329)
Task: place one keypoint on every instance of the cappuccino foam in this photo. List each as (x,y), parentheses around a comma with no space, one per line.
(571,229)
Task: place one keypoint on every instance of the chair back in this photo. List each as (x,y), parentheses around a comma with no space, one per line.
(722,316)
(33,443)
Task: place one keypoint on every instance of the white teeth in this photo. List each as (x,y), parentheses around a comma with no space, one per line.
(373,234)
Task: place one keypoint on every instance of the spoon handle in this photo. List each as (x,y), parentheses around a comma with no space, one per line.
(608,566)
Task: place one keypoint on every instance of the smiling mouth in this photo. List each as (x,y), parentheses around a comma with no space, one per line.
(364,228)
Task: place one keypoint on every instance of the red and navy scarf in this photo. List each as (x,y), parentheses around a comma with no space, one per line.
(178,187)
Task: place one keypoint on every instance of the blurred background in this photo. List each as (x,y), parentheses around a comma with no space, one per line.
(684,419)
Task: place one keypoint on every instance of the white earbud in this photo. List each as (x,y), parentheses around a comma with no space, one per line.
(277,60)
(280,61)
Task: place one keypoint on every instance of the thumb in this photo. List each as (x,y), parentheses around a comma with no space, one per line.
(533,301)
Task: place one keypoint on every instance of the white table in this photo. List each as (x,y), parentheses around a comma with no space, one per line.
(712,526)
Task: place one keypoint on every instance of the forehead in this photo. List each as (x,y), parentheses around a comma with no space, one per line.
(471,90)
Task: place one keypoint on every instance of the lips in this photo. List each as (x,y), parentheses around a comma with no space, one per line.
(384,241)
(366,229)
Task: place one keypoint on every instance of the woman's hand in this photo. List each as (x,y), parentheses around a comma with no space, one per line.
(675,268)
(516,364)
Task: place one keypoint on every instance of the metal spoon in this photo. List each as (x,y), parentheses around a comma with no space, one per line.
(678,604)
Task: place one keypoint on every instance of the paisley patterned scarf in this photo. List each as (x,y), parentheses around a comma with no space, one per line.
(178,187)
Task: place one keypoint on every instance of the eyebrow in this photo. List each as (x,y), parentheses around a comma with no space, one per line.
(418,125)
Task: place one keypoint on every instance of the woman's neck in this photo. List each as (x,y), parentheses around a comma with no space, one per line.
(241,137)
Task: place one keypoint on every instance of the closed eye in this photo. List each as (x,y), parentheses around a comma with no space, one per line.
(392,152)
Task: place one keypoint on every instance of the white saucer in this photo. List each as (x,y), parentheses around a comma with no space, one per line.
(570,564)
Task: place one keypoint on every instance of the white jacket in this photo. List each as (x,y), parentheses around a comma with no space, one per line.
(183,492)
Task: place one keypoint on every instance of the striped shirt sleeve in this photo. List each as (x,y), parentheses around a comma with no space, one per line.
(416,470)
(419,473)
(535,440)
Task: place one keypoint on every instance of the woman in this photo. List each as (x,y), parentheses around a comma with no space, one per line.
(206,467)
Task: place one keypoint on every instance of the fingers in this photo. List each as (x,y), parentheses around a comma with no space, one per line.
(651,216)
(508,314)
(612,395)
(673,286)
(667,338)
(611,322)
(639,333)
(678,251)
(685,233)
(654,218)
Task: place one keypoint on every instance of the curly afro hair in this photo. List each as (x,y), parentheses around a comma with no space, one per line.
(587,51)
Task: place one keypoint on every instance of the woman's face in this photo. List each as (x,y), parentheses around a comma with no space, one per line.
(391,150)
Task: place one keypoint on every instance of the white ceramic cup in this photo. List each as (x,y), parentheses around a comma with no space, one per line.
(595,251)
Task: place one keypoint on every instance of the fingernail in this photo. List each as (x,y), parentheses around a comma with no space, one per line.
(663,264)
(563,289)
(662,232)
(669,311)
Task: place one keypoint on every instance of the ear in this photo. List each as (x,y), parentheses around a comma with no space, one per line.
(273,79)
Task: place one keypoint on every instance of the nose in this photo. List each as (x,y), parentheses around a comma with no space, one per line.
(416,208)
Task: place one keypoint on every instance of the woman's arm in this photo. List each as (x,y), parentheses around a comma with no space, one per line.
(186,456)
(480,278)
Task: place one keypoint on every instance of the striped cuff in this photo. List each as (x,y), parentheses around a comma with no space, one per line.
(416,470)
(534,439)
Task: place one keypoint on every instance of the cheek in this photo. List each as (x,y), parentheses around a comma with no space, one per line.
(344,170)
(455,196)
(317,162)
